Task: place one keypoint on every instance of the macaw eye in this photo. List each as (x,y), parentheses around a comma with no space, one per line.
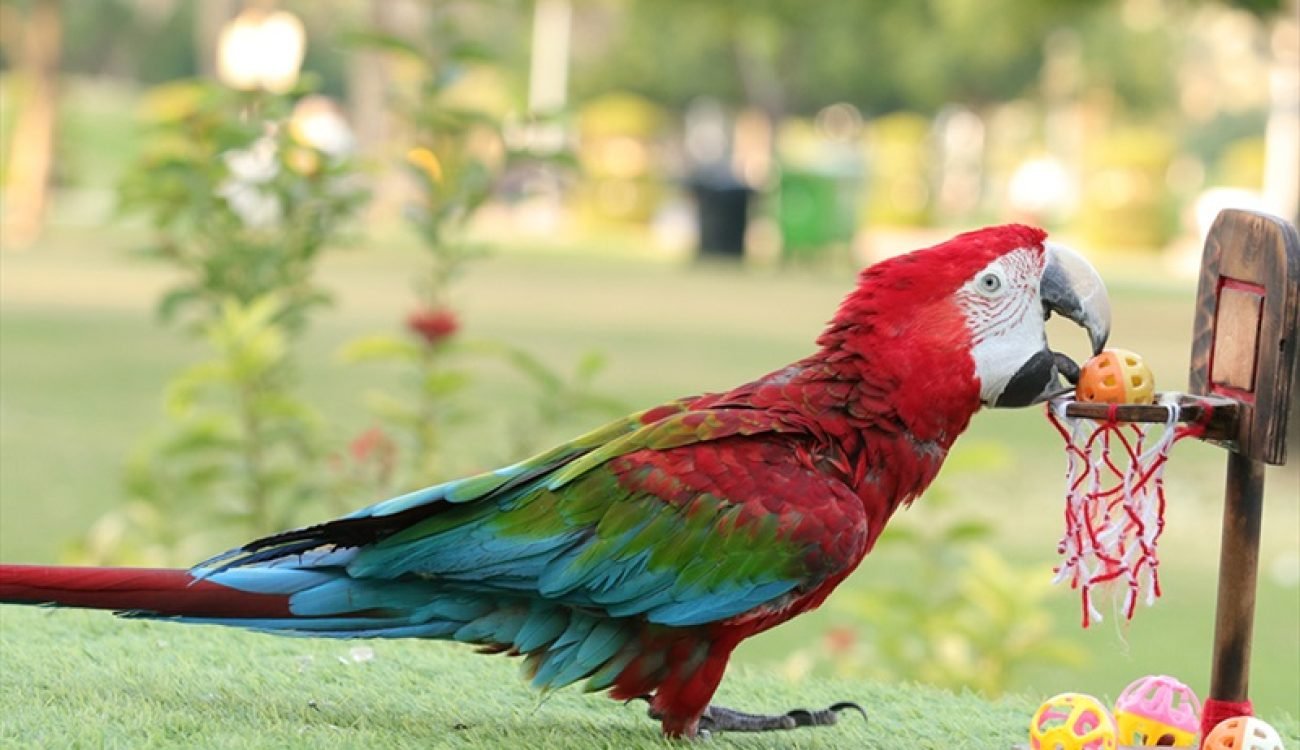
(989,284)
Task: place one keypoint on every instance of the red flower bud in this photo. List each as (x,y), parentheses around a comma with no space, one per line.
(840,640)
(433,326)
(373,445)
(373,455)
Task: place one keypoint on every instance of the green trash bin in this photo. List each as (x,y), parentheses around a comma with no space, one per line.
(817,208)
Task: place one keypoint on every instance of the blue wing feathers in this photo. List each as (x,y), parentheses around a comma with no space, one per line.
(603,642)
(604,677)
(574,600)
(499,627)
(544,625)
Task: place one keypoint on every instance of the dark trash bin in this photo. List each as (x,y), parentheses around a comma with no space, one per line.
(722,205)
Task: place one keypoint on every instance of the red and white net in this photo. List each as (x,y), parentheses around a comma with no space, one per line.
(1115,504)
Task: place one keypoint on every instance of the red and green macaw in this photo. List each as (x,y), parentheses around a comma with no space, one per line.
(636,557)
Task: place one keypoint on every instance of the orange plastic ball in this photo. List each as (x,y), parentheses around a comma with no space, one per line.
(1242,733)
(1116,376)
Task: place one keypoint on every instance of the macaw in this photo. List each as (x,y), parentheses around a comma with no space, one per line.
(636,557)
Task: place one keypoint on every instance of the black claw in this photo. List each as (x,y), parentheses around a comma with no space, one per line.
(847,705)
(805,718)
(802,717)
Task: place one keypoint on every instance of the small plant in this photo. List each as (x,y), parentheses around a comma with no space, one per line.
(244,190)
(238,457)
(557,398)
(457,157)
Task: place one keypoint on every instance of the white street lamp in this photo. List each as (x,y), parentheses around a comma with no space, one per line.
(261,50)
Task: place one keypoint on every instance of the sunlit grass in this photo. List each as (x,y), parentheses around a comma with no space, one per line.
(77,679)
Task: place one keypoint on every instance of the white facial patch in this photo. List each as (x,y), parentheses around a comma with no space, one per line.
(1004,313)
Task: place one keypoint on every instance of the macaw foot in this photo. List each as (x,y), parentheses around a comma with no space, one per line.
(720,719)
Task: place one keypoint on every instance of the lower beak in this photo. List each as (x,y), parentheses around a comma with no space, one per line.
(1036,381)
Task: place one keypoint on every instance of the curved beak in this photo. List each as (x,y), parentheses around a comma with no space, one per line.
(1073,289)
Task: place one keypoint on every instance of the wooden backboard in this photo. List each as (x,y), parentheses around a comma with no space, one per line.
(1244,343)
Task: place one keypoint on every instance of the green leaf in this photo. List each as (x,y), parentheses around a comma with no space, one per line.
(471,51)
(173,301)
(391,409)
(213,432)
(967,531)
(445,383)
(383,42)
(184,392)
(590,364)
(898,534)
(380,347)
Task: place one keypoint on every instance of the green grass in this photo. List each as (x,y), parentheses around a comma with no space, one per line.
(78,679)
(82,363)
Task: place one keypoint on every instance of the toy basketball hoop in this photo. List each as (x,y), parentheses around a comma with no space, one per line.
(1243,366)
(1115,495)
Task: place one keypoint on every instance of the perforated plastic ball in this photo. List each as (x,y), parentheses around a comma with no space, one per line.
(1116,376)
(1242,733)
(1072,721)
(1157,710)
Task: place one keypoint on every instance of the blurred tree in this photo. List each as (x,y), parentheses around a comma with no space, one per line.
(370,73)
(30,164)
(1258,7)
(209,17)
(881,56)
(140,40)
(790,55)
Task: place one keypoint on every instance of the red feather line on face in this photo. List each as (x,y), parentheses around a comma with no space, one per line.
(1023,269)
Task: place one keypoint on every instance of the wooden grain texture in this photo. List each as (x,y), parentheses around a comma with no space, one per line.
(1236,340)
(1247,255)
(1234,613)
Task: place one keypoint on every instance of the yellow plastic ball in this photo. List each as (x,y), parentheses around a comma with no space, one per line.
(1116,376)
(1143,731)
(1072,721)
(1242,733)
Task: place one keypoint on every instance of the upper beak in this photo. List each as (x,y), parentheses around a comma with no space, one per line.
(1073,289)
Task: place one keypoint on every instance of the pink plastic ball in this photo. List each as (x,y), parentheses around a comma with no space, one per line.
(1158,710)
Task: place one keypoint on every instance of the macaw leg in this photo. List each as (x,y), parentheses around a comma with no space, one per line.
(721,719)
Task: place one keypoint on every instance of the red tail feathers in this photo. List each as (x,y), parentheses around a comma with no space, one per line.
(155,591)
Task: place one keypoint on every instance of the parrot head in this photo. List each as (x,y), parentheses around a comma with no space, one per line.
(986,294)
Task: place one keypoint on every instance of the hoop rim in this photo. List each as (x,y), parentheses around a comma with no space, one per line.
(1218,414)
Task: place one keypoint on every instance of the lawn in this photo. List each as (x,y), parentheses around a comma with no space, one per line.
(82,363)
(79,679)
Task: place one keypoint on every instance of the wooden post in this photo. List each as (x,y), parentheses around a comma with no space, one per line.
(1244,348)
(1238,565)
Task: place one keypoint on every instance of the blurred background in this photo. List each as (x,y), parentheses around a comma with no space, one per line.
(267,261)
